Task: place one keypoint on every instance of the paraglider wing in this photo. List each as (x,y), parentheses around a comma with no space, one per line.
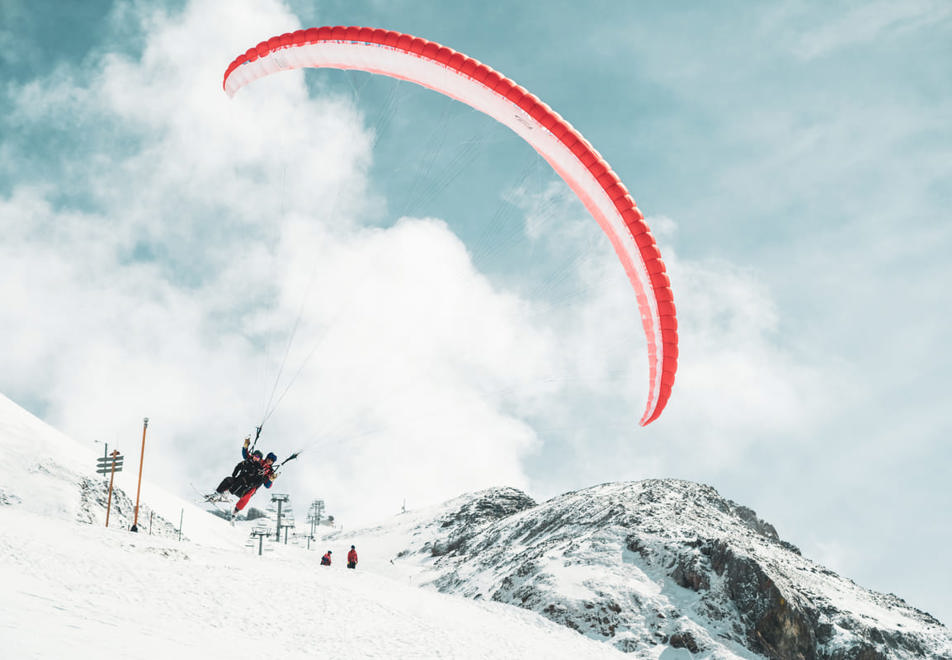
(460,77)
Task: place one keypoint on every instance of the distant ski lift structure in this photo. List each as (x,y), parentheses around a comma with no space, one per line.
(315,514)
(280,498)
(260,533)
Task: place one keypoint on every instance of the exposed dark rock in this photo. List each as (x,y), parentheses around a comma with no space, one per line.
(749,517)
(8,499)
(94,498)
(489,506)
(596,559)
(255,514)
(684,640)
(689,573)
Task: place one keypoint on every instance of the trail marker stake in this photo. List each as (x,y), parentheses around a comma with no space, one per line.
(135,522)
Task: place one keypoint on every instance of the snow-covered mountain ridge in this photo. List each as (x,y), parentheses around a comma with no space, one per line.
(654,564)
(658,569)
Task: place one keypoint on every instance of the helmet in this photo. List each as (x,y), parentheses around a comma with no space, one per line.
(271,457)
(257,454)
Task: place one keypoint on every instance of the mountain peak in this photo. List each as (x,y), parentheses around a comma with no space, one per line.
(661,563)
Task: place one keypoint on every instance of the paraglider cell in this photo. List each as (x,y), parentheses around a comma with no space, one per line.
(443,55)
(624,202)
(644,238)
(350,33)
(455,60)
(660,281)
(469,66)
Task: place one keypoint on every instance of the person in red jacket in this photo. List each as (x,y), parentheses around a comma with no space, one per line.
(326,559)
(352,558)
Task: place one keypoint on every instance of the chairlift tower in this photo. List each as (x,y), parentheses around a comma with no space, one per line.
(260,534)
(315,515)
(280,499)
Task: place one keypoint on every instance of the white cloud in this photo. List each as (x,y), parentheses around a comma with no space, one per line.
(218,227)
(870,22)
(737,381)
(205,224)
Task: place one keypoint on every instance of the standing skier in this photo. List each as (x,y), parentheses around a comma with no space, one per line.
(352,558)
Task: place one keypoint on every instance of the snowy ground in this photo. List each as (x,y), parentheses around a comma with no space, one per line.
(81,590)
(73,590)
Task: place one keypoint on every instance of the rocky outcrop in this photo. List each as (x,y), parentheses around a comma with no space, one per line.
(665,563)
(461,525)
(94,496)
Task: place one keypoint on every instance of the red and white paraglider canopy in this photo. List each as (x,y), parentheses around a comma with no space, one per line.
(455,75)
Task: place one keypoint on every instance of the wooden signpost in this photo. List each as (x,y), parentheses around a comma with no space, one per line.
(111,463)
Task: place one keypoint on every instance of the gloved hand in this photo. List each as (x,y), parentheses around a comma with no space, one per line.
(274,475)
(247,441)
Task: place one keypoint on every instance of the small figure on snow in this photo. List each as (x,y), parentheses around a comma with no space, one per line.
(326,559)
(254,471)
(352,558)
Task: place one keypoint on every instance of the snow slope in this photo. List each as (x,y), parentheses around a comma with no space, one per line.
(75,589)
(657,569)
(648,566)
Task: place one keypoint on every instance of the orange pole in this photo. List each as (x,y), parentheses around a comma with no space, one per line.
(112,475)
(135,522)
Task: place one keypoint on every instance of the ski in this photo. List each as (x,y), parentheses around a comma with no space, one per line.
(214,499)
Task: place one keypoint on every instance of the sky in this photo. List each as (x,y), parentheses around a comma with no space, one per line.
(402,289)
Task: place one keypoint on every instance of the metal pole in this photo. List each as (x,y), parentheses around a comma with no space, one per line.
(181,516)
(112,474)
(277,534)
(105,455)
(260,542)
(135,522)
